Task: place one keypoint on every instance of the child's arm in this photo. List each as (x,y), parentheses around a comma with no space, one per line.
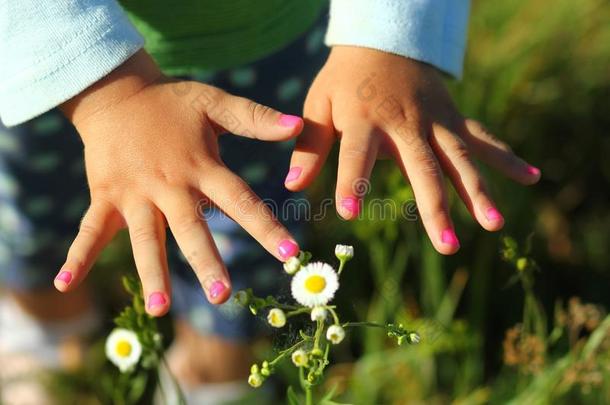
(151,150)
(378,96)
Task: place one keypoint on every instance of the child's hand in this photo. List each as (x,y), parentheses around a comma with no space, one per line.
(379,103)
(151,156)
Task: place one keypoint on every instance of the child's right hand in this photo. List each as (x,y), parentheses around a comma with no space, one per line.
(151,155)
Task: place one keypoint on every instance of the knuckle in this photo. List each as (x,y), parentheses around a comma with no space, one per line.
(459,151)
(89,230)
(274,230)
(258,112)
(185,223)
(353,152)
(148,273)
(143,234)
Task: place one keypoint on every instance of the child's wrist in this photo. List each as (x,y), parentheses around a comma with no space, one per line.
(135,74)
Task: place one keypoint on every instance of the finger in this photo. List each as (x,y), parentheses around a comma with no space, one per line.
(97,228)
(197,245)
(357,155)
(147,234)
(497,154)
(426,178)
(455,159)
(312,147)
(242,116)
(233,196)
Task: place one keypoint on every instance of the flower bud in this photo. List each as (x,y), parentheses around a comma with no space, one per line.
(292,265)
(318,314)
(335,334)
(255,380)
(344,252)
(241,297)
(413,338)
(300,358)
(276,318)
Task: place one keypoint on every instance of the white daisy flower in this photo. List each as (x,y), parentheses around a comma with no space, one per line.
(318,314)
(344,252)
(315,284)
(276,318)
(123,349)
(335,334)
(255,380)
(292,265)
(300,358)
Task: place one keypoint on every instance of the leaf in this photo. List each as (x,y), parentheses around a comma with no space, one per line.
(293,398)
(137,388)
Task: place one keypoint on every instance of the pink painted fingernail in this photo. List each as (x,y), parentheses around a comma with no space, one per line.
(288,249)
(64,276)
(493,214)
(352,204)
(534,171)
(448,237)
(156,299)
(216,289)
(293,174)
(289,120)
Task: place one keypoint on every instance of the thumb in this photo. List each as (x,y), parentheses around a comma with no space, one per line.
(244,117)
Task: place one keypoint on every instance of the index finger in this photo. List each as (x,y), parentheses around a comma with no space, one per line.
(234,197)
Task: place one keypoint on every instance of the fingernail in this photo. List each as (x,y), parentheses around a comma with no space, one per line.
(216,289)
(289,120)
(534,171)
(293,174)
(156,299)
(493,214)
(64,276)
(352,204)
(448,237)
(288,249)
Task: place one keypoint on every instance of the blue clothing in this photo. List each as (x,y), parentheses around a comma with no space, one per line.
(53,50)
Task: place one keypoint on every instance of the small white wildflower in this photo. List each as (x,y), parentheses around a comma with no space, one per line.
(276,318)
(335,334)
(123,349)
(300,358)
(318,314)
(255,380)
(292,265)
(315,284)
(344,252)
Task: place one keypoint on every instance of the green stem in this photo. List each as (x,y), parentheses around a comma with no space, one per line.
(316,341)
(298,311)
(308,395)
(341,265)
(334,314)
(284,352)
(181,397)
(367,324)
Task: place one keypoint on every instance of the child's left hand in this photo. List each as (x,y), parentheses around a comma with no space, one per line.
(380,103)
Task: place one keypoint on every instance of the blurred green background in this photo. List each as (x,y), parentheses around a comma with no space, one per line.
(494,328)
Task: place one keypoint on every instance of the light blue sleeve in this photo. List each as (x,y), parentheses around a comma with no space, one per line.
(52,50)
(431,31)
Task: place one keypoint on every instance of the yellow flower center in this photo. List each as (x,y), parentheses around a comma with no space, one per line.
(315,284)
(123,348)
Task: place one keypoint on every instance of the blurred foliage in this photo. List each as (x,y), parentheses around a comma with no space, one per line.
(538,75)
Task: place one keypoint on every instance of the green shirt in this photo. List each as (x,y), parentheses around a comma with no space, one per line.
(188,35)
